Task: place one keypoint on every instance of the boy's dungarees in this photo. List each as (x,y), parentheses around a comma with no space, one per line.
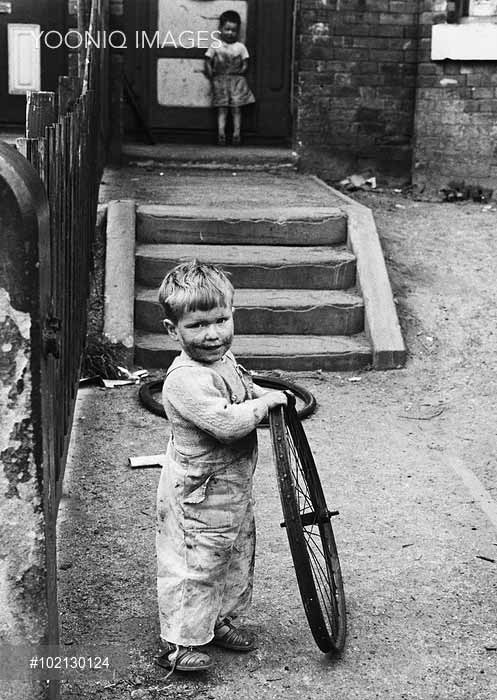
(205,535)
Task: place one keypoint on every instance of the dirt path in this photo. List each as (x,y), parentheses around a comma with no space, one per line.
(408,457)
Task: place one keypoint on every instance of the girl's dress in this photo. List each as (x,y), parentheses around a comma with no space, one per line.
(205,517)
(229,86)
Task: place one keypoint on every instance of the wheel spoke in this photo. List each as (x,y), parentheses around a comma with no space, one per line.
(309,531)
(323,578)
(326,593)
(320,569)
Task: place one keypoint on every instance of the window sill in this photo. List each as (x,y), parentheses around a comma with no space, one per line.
(489,19)
(472,41)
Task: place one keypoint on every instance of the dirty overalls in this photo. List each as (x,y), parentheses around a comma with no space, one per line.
(205,525)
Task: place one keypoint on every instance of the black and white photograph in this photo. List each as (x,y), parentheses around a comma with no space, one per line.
(248,349)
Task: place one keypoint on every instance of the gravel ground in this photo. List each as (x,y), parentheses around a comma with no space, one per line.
(407,457)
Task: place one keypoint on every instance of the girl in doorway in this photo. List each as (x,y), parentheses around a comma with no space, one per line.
(226,65)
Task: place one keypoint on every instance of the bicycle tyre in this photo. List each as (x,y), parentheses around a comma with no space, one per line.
(310,534)
(149,389)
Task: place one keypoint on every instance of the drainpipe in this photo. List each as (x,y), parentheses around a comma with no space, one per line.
(419,6)
(293,73)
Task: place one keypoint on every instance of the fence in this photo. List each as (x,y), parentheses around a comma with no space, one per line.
(66,140)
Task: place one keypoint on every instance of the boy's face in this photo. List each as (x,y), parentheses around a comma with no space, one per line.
(205,336)
(229,32)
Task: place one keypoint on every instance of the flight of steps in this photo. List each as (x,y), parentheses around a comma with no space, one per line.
(297,307)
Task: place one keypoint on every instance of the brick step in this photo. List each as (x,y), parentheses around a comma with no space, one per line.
(269,352)
(272,311)
(299,226)
(262,267)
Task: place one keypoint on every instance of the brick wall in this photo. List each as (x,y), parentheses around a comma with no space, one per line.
(456,114)
(356,75)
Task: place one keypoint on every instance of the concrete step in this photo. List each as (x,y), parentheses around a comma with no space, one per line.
(210,157)
(289,226)
(268,352)
(262,267)
(272,311)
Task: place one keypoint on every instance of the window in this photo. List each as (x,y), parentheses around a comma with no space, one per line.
(469,34)
(476,10)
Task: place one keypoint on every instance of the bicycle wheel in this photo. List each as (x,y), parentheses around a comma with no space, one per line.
(309,531)
(307,401)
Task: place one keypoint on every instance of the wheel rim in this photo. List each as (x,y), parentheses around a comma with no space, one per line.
(306,402)
(319,539)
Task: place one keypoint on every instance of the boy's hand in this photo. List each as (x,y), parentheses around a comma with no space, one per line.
(275,398)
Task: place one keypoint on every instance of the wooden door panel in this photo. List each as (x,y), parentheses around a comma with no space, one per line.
(274,48)
(193,16)
(170,83)
(180,92)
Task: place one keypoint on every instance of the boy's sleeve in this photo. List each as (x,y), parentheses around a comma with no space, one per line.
(258,391)
(244,54)
(209,53)
(197,397)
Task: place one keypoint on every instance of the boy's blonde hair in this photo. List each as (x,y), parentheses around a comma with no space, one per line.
(194,286)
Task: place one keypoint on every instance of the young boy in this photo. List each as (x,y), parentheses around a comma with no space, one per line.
(206,532)
(226,66)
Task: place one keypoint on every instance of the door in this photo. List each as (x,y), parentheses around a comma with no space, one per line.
(26,62)
(171,54)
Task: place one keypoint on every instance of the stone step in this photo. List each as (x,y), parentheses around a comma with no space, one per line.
(289,226)
(261,267)
(210,157)
(272,311)
(269,352)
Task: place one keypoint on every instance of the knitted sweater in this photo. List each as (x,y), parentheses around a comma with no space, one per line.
(210,404)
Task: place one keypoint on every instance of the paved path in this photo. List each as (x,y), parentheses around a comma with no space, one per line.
(421,603)
(407,457)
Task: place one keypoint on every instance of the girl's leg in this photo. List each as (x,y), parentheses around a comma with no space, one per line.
(237,122)
(222,113)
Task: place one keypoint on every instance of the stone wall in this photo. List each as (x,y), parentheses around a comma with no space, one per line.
(22,538)
(456,114)
(356,75)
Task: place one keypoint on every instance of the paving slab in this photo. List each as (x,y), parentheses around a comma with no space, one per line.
(207,189)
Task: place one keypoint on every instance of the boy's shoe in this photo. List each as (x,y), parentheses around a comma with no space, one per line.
(178,658)
(236,141)
(228,636)
(221,140)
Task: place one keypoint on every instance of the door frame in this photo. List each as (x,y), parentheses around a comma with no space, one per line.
(138,66)
(189,115)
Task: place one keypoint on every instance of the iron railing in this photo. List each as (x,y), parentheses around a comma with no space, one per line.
(66,142)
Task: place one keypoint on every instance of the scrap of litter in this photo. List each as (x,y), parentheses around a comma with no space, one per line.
(142,461)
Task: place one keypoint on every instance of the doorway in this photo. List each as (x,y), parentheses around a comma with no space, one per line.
(167,66)
(26,63)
